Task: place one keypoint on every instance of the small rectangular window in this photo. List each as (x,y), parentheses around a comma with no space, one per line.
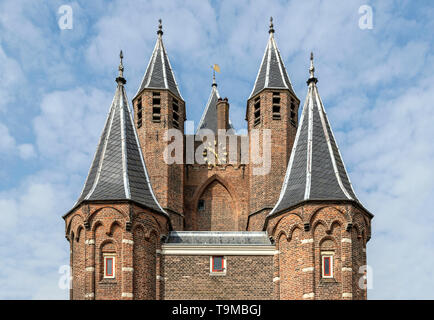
(201,205)
(327,266)
(109,266)
(218,264)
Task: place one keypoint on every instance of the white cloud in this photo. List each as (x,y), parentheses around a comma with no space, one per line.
(11,77)
(69,125)
(33,246)
(9,147)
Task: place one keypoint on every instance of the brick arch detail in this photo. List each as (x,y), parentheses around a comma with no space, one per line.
(317,211)
(124,214)
(229,188)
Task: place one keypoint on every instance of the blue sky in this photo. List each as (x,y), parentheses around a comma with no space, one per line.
(56,87)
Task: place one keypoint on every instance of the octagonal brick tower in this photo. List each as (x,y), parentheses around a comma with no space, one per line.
(319,226)
(114,228)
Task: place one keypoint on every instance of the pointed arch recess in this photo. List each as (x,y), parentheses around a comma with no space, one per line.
(226,185)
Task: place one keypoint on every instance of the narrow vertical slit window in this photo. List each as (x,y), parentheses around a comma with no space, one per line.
(109,266)
(292,113)
(175,115)
(257,111)
(327,266)
(201,205)
(139,112)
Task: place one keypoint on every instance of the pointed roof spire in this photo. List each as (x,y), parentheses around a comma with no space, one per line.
(272,73)
(159,73)
(118,170)
(315,170)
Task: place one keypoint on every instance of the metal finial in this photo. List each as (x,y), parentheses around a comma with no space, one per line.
(121,66)
(271,26)
(160,28)
(312,71)
(312,68)
(120,79)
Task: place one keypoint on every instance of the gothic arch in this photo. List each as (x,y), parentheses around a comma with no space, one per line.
(281,219)
(96,225)
(142,217)
(208,182)
(112,226)
(317,211)
(72,220)
(233,210)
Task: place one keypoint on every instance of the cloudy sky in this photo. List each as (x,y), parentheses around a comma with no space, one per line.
(56,87)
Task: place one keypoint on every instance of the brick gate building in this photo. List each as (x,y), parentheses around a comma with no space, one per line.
(145,228)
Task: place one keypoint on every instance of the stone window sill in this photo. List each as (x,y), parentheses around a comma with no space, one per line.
(108,281)
(325,281)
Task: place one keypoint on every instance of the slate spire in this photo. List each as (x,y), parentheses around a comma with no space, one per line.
(315,170)
(209,115)
(159,73)
(272,73)
(118,170)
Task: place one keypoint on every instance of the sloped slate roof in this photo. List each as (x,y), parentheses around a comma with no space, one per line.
(315,170)
(209,116)
(118,170)
(159,73)
(219,238)
(272,72)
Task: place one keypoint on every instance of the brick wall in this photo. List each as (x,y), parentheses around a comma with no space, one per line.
(247,277)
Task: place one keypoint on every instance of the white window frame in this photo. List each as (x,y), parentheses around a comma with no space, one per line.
(223,272)
(105,257)
(327,255)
